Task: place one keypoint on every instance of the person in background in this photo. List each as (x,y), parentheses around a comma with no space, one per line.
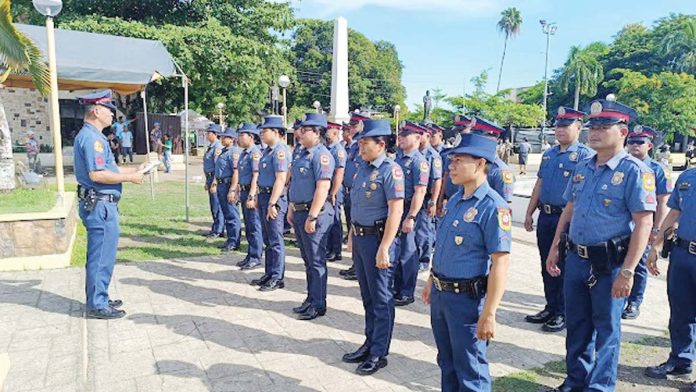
(545,146)
(127,144)
(156,139)
(114,145)
(32,147)
(524,149)
(120,126)
(167,150)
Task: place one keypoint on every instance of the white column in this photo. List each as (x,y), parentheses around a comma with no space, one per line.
(339,72)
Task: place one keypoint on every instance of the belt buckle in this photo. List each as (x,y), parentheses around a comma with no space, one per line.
(438,286)
(547,209)
(582,251)
(692,247)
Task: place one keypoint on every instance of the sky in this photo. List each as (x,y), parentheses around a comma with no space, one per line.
(444,43)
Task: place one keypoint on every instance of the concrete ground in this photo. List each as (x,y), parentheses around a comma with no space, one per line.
(196,325)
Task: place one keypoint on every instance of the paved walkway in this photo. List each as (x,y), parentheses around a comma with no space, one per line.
(196,325)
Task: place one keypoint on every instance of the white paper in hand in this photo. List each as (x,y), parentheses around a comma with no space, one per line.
(150,166)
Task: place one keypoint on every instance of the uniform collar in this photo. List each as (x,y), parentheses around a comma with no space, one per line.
(647,159)
(572,147)
(94,129)
(613,162)
(378,162)
(314,149)
(480,192)
(410,154)
(333,145)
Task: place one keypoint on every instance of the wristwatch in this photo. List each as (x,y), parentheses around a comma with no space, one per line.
(312,218)
(411,217)
(431,203)
(627,273)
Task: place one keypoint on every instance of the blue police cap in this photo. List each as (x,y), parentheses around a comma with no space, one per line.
(229,132)
(373,128)
(411,127)
(249,128)
(214,128)
(486,128)
(275,122)
(314,120)
(433,128)
(476,145)
(566,116)
(610,112)
(642,132)
(103,98)
(357,117)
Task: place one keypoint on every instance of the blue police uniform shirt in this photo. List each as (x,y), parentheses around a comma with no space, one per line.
(353,163)
(683,199)
(556,171)
(663,185)
(227,162)
(314,164)
(439,148)
(211,154)
(500,178)
(92,153)
(435,162)
(472,229)
(416,171)
(605,196)
(274,160)
(249,162)
(296,152)
(375,184)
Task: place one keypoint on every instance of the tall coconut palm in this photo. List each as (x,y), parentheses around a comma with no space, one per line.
(681,46)
(17,54)
(583,70)
(509,24)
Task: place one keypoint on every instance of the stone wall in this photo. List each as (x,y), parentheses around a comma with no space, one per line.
(41,237)
(26,110)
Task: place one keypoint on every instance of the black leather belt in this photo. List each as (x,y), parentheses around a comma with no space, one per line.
(550,209)
(475,287)
(244,188)
(108,198)
(302,207)
(265,189)
(690,246)
(584,251)
(227,180)
(362,231)
(83,193)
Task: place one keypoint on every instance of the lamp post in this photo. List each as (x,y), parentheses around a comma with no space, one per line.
(548,28)
(284,82)
(221,117)
(316,105)
(50,9)
(397,110)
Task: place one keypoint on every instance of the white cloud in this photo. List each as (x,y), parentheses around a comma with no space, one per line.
(466,7)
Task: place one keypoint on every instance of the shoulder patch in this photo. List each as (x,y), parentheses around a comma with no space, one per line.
(507,177)
(437,163)
(397,173)
(648,182)
(424,166)
(98,146)
(255,156)
(280,154)
(324,159)
(218,151)
(341,154)
(504,219)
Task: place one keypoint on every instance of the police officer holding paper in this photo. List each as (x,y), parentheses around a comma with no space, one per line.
(610,204)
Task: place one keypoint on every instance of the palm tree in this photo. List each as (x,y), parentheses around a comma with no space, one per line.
(510,24)
(681,46)
(17,54)
(583,70)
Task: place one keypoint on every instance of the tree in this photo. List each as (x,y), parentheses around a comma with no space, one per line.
(509,24)
(17,54)
(680,46)
(583,70)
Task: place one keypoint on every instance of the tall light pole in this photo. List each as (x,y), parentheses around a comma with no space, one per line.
(50,9)
(284,82)
(548,28)
(397,110)
(221,117)
(316,105)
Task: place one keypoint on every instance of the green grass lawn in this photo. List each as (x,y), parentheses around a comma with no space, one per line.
(27,200)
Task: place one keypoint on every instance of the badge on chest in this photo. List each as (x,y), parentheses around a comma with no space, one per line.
(617,178)
(470,214)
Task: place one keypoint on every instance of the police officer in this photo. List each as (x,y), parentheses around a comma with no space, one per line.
(639,143)
(500,176)
(681,279)
(225,174)
(211,154)
(437,138)
(469,270)
(557,165)
(99,190)
(248,167)
(332,139)
(416,174)
(461,125)
(425,221)
(311,213)
(353,128)
(607,195)
(378,206)
(272,201)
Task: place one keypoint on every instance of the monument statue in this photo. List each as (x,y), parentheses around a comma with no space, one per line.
(427,106)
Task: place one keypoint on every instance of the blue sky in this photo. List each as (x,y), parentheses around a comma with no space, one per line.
(443,43)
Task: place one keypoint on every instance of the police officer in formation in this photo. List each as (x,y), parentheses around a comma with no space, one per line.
(352,129)
(248,167)
(212,152)
(225,174)
(416,175)
(681,279)
(272,201)
(500,176)
(99,191)
(425,221)
(610,205)
(557,166)
(311,213)
(461,125)
(378,203)
(639,144)
(469,268)
(332,138)
(437,139)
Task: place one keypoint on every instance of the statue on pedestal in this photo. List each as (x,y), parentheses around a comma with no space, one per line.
(427,106)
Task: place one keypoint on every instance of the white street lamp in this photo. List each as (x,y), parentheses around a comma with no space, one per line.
(397,110)
(284,82)
(50,9)
(220,106)
(548,28)
(316,105)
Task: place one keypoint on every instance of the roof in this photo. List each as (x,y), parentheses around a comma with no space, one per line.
(89,60)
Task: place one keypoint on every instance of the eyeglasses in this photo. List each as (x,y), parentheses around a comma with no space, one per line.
(639,142)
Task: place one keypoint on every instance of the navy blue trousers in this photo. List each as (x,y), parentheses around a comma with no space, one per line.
(313,250)
(102,241)
(252,229)
(218,226)
(405,263)
(681,290)
(233,224)
(273,236)
(553,286)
